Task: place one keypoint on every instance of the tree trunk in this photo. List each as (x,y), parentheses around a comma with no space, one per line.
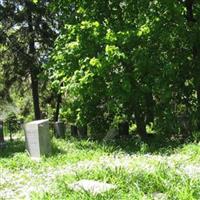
(1,133)
(198,107)
(123,128)
(57,107)
(32,63)
(196,54)
(149,107)
(35,94)
(74,131)
(140,123)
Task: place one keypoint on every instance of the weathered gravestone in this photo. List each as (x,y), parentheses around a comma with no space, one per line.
(60,129)
(79,131)
(111,134)
(37,137)
(94,187)
(82,131)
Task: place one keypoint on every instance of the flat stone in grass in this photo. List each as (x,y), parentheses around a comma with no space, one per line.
(37,138)
(159,196)
(91,186)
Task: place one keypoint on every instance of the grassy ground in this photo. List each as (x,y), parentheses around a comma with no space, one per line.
(140,171)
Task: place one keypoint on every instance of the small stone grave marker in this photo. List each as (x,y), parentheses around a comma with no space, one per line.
(111,134)
(91,186)
(159,196)
(60,129)
(37,137)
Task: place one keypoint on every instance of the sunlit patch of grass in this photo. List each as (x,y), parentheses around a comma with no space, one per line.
(135,185)
(63,152)
(140,171)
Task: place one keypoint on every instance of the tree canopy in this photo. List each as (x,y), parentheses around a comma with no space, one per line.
(27,33)
(113,62)
(135,61)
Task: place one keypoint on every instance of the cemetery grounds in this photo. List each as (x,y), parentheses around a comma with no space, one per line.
(138,170)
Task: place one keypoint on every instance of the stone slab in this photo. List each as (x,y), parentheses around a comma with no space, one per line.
(37,138)
(159,196)
(111,134)
(91,186)
(60,129)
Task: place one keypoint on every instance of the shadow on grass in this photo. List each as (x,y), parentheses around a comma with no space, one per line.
(55,150)
(132,145)
(12,147)
(18,146)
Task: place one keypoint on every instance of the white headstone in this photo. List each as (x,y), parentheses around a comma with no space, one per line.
(94,187)
(37,136)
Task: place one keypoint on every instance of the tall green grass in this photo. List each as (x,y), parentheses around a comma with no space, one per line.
(154,170)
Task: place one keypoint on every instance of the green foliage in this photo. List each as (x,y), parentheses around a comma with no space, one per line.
(137,61)
(27,32)
(112,62)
